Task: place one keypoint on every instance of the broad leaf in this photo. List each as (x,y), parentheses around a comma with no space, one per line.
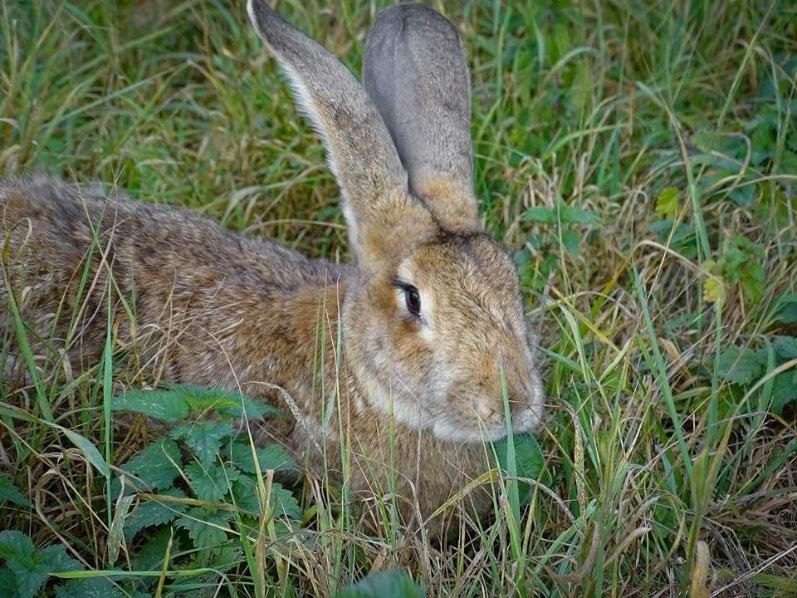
(165,405)
(9,492)
(786,347)
(88,587)
(271,457)
(211,482)
(204,438)
(284,503)
(784,391)
(529,460)
(739,365)
(203,526)
(384,584)
(151,512)
(155,464)
(31,568)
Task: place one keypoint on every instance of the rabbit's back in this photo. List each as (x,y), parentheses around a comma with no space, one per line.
(174,276)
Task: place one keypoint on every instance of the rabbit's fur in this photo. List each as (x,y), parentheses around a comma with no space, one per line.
(417,395)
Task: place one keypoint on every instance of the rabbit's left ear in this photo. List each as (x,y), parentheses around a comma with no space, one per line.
(415,71)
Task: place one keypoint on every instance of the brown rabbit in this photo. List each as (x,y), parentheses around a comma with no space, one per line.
(430,318)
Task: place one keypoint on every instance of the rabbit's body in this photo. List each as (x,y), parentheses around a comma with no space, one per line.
(395,369)
(215,309)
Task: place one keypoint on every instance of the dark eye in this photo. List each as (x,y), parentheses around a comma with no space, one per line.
(413,301)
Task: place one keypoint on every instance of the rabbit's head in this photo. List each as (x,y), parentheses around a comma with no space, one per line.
(434,325)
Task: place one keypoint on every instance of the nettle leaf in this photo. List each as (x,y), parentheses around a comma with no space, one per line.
(165,405)
(739,365)
(10,493)
(8,583)
(204,438)
(576,215)
(212,482)
(152,512)
(155,465)
(542,214)
(29,567)
(787,309)
(230,403)
(271,457)
(784,391)
(571,241)
(283,502)
(243,490)
(786,347)
(384,584)
(15,545)
(203,526)
(88,587)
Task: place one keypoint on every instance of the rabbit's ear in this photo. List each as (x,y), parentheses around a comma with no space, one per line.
(380,213)
(415,71)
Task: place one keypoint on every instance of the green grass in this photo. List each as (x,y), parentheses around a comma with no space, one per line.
(639,159)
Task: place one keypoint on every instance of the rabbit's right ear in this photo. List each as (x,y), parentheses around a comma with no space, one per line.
(381,214)
(415,70)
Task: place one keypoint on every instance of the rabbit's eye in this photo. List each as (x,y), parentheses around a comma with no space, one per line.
(413,301)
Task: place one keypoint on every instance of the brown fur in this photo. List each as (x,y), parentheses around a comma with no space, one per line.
(415,396)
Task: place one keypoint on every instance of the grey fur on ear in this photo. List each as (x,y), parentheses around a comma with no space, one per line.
(414,69)
(361,151)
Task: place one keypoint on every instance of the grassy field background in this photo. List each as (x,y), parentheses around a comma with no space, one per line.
(639,159)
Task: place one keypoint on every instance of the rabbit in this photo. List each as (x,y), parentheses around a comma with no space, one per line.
(423,337)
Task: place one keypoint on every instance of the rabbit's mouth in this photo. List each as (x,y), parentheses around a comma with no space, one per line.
(451,429)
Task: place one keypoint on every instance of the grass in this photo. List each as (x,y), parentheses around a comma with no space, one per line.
(640,162)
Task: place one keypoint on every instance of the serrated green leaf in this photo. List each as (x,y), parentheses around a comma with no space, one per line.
(245,494)
(88,587)
(211,482)
(284,503)
(739,365)
(56,559)
(540,214)
(10,493)
(786,311)
(155,464)
(784,391)
(786,346)
(271,457)
(204,438)
(229,403)
(151,512)
(203,526)
(571,241)
(31,569)
(384,584)
(8,583)
(576,215)
(164,405)
(15,545)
